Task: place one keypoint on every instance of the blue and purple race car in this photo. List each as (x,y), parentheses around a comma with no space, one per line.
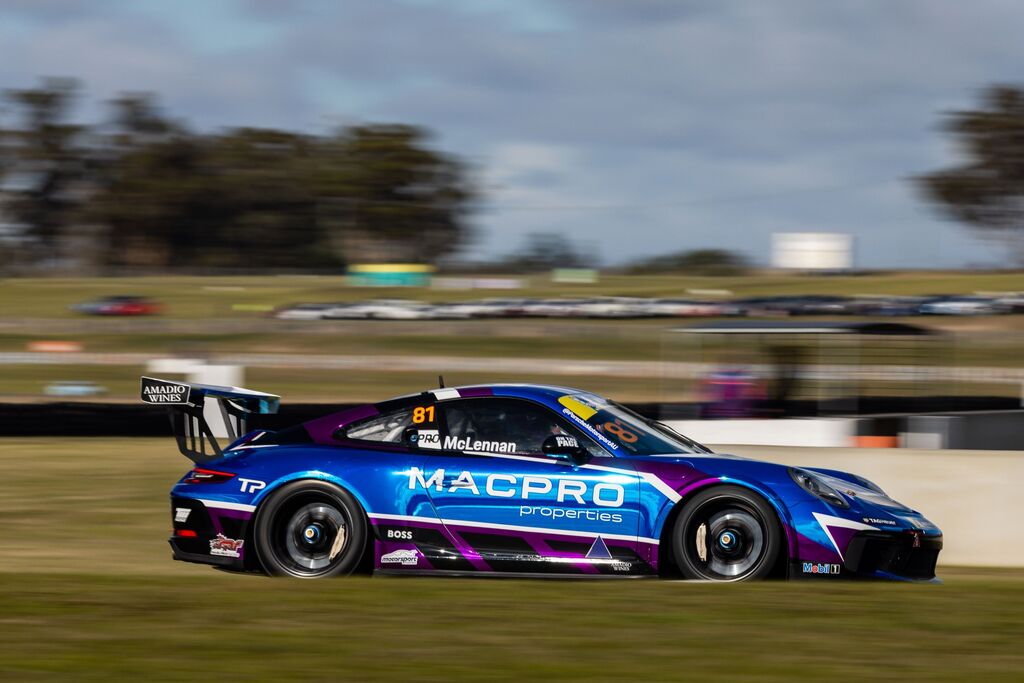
(513,479)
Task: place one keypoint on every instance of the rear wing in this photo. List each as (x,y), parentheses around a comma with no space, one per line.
(191,413)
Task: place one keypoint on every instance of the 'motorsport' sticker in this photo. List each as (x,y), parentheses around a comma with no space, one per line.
(403,557)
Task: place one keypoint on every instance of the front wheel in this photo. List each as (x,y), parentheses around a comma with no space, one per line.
(726,533)
(310,529)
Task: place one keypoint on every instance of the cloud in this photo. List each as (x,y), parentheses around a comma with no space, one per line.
(654,125)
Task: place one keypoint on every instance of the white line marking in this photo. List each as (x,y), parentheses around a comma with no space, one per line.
(827,520)
(226,506)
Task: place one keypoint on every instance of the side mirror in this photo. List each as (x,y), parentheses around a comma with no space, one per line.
(564,447)
(411,437)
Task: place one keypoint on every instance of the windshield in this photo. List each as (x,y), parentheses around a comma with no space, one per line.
(628,430)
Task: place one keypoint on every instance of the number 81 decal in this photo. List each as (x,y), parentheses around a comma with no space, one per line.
(421,414)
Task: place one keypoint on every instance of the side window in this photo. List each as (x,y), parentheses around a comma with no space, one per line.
(496,425)
(383,428)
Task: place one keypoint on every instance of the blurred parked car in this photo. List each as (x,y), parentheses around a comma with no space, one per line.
(1013,303)
(823,305)
(612,307)
(961,305)
(74,389)
(767,305)
(119,305)
(551,308)
(494,308)
(889,306)
(682,308)
(305,311)
(394,309)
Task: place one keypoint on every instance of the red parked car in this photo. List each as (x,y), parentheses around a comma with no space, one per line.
(119,305)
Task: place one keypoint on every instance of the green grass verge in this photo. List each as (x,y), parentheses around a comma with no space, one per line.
(88,592)
(212,626)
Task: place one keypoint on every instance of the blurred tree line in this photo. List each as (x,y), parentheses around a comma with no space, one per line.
(711,262)
(141,191)
(986,190)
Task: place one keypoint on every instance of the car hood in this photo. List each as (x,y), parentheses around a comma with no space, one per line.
(864,496)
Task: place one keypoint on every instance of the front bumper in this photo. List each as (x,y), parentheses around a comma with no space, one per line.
(907,555)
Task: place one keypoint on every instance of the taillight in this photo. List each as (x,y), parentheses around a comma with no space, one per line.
(201,475)
(187,533)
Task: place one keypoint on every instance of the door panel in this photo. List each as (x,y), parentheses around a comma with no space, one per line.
(523,512)
(516,513)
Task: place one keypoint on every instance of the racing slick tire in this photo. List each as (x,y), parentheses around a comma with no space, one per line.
(726,533)
(310,530)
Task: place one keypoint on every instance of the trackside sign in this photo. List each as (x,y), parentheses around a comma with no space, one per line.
(162,392)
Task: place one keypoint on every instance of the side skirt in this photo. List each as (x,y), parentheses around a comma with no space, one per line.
(507,575)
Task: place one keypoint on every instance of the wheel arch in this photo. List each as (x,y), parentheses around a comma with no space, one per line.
(311,475)
(666,561)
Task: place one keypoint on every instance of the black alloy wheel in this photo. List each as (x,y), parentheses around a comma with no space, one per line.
(726,533)
(310,529)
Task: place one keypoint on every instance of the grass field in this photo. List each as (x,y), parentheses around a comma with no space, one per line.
(88,592)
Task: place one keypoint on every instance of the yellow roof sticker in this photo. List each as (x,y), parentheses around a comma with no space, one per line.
(583,411)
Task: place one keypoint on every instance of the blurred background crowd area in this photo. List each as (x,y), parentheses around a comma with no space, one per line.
(642,338)
(336,267)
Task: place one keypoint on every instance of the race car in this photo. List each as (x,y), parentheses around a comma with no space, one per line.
(513,479)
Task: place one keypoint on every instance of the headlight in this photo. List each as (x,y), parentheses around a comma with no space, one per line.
(817,487)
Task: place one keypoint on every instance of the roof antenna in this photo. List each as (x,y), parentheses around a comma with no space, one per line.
(440,381)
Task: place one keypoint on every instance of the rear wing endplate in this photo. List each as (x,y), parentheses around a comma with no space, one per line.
(192,408)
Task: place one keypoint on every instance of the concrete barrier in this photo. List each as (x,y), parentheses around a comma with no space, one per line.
(974,496)
(990,430)
(818,432)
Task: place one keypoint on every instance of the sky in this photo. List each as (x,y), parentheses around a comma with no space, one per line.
(634,127)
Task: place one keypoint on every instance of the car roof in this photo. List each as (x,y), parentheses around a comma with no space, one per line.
(550,391)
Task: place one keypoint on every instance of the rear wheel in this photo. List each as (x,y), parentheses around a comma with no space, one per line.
(726,533)
(310,529)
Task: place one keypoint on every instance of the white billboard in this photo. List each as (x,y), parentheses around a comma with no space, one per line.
(812,250)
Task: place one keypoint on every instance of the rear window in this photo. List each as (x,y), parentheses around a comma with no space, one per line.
(386,428)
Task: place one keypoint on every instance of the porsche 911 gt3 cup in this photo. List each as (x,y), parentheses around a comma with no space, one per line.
(514,479)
